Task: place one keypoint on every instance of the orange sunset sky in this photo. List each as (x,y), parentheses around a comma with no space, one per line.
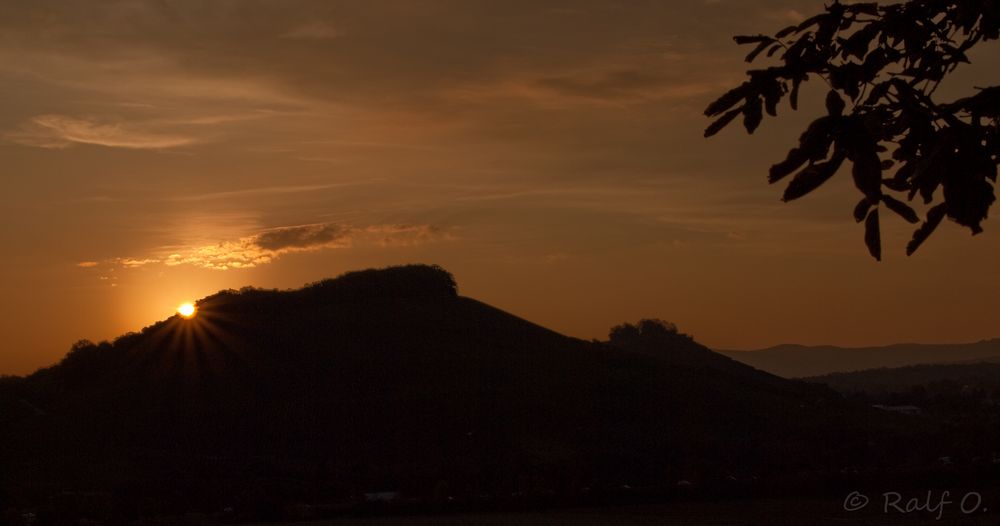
(548,153)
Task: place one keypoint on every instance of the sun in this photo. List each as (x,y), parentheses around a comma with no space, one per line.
(187,310)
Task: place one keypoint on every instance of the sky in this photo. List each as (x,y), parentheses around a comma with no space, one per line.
(548,153)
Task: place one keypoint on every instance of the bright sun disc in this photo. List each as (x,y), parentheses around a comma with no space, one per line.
(187,310)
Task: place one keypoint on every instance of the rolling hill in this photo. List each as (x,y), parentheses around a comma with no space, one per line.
(389,380)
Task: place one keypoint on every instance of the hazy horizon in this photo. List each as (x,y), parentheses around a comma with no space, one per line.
(549,154)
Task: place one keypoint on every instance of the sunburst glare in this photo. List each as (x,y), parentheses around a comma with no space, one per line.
(187,310)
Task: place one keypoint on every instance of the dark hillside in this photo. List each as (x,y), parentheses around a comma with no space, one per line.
(389,380)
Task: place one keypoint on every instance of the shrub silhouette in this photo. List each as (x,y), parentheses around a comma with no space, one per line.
(646,330)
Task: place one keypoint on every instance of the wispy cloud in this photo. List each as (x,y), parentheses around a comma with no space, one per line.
(606,88)
(135,263)
(269,190)
(264,247)
(61,131)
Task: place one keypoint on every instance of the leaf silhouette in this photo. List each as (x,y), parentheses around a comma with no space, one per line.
(759,49)
(793,97)
(795,159)
(812,177)
(772,96)
(858,43)
(867,174)
(753,114)
(900,208)
(722,122)
(934,217)
(873,238)
(817,138)
(751,39)
(861,210)
(834,104)
(728,100)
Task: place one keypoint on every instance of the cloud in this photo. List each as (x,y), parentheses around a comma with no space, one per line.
(135,263)
(241,253)
(60,131)
(387,52)
(264,191)
(301,237)
(87,264)
(264,247)
(676,79)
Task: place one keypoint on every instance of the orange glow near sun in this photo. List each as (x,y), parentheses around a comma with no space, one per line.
(187,310)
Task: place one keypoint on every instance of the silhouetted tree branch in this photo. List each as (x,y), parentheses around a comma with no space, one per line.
(883,64)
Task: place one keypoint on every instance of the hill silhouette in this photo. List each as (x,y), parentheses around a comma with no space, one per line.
(797,361)
(952,378)
(963,399)
(388,380)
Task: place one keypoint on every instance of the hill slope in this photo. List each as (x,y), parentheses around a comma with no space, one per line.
(962,399)
(389,380)
(795,361)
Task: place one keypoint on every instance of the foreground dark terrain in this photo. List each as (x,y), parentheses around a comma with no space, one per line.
(770,512)
(384,391)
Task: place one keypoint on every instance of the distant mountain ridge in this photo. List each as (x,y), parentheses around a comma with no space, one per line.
(798,361)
